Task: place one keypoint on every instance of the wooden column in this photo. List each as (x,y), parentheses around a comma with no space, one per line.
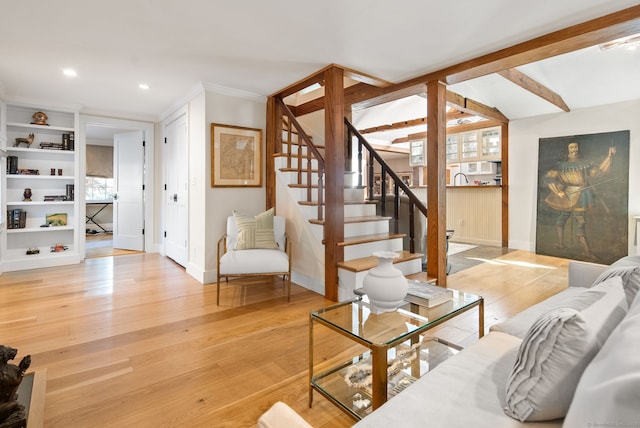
(273,145)
(334,181)
(504,132)
(436,182)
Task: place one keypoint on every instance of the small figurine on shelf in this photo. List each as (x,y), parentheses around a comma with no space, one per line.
(39,118)
(27,195)
(26,141)
(58,248)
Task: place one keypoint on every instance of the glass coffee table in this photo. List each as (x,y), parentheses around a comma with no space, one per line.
(384,352)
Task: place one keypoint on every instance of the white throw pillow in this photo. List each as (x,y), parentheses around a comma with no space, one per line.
(555,352)
(630,279)
(609,390)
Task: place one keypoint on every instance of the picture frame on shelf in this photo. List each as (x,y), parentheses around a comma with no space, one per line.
(57,219)
(236,156)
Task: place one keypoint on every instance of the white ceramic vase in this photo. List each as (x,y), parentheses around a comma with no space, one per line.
(385,285)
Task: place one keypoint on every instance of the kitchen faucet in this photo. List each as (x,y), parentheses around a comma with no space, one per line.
(462,174)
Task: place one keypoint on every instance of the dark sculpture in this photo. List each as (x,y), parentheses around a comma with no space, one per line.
(11,412)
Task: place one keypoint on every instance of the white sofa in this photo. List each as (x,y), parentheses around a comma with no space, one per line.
(470,389)
(601,386)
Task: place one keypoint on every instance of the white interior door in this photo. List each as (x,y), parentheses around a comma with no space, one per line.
(128,200)
(176,230)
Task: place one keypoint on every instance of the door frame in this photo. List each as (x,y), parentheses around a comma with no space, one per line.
(183,111)
(147,129)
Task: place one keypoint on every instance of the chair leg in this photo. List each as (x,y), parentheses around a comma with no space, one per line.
(288,288)
(218,297)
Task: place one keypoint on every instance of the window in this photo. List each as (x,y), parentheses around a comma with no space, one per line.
(99,189)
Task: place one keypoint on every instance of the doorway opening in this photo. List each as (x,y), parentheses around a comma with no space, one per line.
(111,211)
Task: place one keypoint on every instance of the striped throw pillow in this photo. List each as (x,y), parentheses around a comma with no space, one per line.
(255,232)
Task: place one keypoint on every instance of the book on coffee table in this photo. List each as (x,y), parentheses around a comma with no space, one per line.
(428,295)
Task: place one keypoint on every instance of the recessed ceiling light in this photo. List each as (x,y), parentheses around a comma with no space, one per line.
(69,72)
(143,86)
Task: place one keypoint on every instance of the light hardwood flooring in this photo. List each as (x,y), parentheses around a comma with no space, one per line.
(134,341)
(101,245)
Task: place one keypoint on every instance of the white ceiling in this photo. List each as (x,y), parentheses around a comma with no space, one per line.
(260,47)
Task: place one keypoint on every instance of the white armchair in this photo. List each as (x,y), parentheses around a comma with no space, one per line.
(254,262)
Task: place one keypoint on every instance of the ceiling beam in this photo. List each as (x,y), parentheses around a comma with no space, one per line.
(475,108)
(536,88)
(616,25)
(453,114)
(396,125)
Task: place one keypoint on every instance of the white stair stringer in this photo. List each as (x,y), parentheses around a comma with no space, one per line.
(347,280)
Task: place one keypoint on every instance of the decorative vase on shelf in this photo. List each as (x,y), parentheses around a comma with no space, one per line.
(385,285)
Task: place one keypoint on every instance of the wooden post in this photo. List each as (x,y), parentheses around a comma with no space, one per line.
(273,145)
(436,182)
(504,153)
(334,183)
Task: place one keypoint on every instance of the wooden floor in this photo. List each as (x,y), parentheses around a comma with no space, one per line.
(101,245)
(134,341)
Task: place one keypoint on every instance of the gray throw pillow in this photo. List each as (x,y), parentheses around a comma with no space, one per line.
(630,279)
(556,350)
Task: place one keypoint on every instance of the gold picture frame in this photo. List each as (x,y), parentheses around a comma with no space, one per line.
(236,156)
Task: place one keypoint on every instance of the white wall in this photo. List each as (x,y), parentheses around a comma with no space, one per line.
(228,107)
(523,167)
(198,184)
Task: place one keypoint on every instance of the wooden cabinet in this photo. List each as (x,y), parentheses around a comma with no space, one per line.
(472,146)
(46,162)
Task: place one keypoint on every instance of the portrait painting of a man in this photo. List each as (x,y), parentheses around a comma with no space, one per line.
(583,190)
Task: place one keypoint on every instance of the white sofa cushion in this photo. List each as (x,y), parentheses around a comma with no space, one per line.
(519,324)
(254,262)
(556,350)
(467,390)
(281,416)
(609,390)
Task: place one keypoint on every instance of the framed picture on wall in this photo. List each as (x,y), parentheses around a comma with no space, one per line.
(583,193)
(236,156)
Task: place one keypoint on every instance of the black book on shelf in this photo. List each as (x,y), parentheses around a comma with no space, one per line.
(22,223)
(15,218)
(9,219)
(71,141)
(65,141)
(70,192)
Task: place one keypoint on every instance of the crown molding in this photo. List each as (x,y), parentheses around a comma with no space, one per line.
(232,92)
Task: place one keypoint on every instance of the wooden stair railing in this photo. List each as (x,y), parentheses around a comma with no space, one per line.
(372,158)
(291,126)
(296,136)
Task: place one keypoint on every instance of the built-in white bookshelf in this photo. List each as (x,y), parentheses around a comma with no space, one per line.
(49,167)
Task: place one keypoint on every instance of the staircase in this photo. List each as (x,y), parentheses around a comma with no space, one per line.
(299,168)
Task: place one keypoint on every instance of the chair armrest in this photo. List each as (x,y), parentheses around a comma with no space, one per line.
(222,242)
(287,248)
(584,274)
